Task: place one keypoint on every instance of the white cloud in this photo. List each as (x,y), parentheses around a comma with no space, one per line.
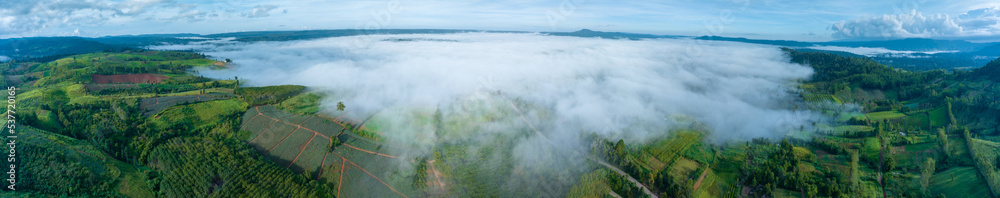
(980,22)
(30,16)
(260,11)
(873,51)
(4,58)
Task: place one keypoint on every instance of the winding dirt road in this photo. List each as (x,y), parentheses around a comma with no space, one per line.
(592,158)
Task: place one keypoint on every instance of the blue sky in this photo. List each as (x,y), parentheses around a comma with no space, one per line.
(765,19)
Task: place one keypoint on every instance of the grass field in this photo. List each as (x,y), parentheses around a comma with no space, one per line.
(204,114)
(669,149)
(305,103)
(938,117)
(959,182)
(152,106)
(852,128)
(884,115)
(918,119)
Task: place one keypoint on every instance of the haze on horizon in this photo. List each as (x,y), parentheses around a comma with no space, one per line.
(771,19)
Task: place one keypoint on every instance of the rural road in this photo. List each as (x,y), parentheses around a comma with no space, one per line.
(620,172)
(599,161)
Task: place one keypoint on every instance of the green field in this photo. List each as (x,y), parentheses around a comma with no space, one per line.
(938,117)
(202,114)
(852,128)
(301,143)
(884,115)
(306,103)
(959,182)
(669,149)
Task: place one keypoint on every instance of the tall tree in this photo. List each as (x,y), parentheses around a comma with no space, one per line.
(943,142)
(926,171)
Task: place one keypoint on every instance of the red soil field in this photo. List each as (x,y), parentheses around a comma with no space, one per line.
(128,78)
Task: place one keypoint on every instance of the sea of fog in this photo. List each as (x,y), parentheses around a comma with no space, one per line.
(739,91)
(549,91)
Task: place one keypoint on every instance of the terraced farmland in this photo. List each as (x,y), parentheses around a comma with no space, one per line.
(359,167)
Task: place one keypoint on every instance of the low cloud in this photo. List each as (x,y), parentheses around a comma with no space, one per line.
(979,22)
(547,92)
(740,91)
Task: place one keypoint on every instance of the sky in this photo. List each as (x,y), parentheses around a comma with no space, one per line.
(762,19)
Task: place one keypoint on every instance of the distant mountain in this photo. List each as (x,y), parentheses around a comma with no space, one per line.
(609,35)
(758,41)
(909,54)
(913,44)
(315,34)
(910,44)
(991,50)
(145,39)
(20,48)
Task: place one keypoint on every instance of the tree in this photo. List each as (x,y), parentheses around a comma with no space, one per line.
(340,106)
(890,163)
(855,175)
(951,114)
(943,141)
(334,142)
(620,147)
(926,172)
(229,61)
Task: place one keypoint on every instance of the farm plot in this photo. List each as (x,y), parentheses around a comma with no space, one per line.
(670,149)
(99,87)
(380,171)
(359,167)
(271,136)
(151,106)
(317,147)
(884,115)
(959,182)
(358,183)
(128,78)
(938,117)
(289,147)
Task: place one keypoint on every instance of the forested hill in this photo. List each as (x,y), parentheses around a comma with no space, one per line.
(834,73)
(989,71)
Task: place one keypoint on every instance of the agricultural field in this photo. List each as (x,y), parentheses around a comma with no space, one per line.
(152,106)
(885,115)
(99,87)
(306,103)
(959,182)
(128,78)
(358,166)
(938,117)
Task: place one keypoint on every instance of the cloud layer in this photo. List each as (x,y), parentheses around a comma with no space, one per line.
(979,22)
(536,95)
(740,91)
